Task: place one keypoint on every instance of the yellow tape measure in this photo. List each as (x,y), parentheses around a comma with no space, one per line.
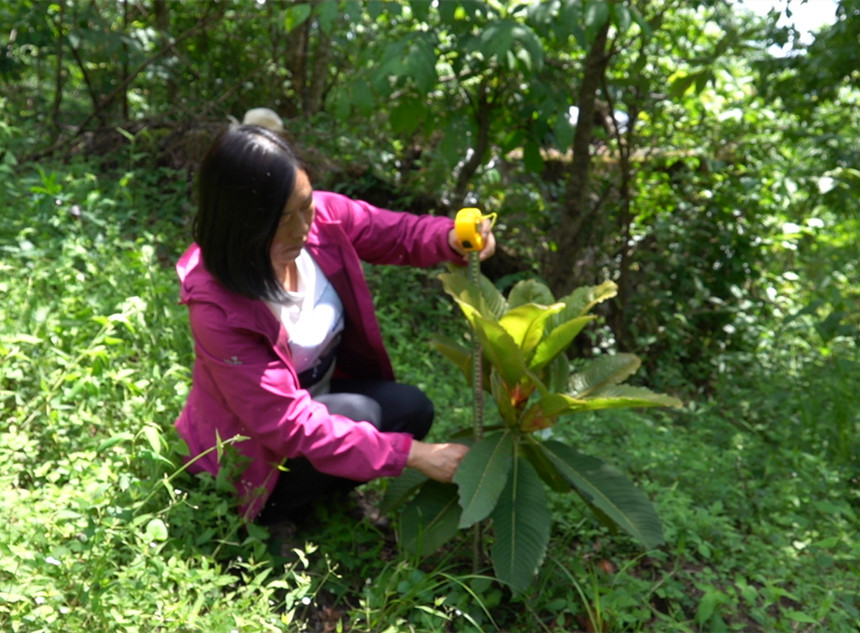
(467,225)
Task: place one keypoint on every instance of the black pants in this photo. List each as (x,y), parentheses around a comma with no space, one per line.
(389,406)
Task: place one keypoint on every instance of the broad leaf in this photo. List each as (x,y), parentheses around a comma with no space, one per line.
(456,353)
(295,16)
(626,396)
(420,9)
(521,523)
(619,397)
(482,476)
(557,373)
(430,520)
(533,451)
(609,491)
(485,297)
(400,489)
(503,398)
(543,413)
(557,341)
(601,372)
(582,300)
(420,64)
(596,14)
(530,291)
(496,38)
(518,321)
(527,323)
(500,350)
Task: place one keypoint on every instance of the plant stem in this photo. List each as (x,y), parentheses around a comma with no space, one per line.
(477,373)
(477,403)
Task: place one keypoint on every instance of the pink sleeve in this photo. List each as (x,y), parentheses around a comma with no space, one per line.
(260,388)
(381,236)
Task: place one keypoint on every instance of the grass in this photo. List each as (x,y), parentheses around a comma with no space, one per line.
(104,531)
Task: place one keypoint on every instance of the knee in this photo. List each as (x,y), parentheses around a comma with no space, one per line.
(423,412)
(354,406)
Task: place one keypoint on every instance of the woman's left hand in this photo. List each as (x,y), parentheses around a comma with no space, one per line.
(488,238)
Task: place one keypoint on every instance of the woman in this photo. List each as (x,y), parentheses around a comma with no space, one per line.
(288,352)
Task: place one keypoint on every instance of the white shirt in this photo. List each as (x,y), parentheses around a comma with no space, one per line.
(313,317)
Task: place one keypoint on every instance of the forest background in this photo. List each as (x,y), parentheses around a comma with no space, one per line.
(658,144)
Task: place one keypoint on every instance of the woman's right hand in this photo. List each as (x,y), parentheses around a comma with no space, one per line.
(437,461)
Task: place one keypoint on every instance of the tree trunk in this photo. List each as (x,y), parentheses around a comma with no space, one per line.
(123,95)
(162,24)
(561,274)
(482,110)
(58,77)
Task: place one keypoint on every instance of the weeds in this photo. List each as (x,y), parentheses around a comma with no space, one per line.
(105,531)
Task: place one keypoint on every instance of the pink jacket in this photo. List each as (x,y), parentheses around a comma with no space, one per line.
(244,382)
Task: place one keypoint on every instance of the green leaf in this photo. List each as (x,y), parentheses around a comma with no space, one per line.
(400,489)
(521,524)
(800,616)
(601,372)
(502,397)
(533,451)
(598,383)
(569,22)
(557,341)
(532,158)
(452,139)
(153,438)
(482,475)
(564,131)
(375,8)
(531,51)
(681,85)
(362,96)
(420,9)
(456,353)
(609,491)
(556,373)
(448,12)
(526,323)
(582,300)
(628,397)
(430,520)
(156,530)
(640,20)
(530,291)
(295,16)
(485,297)
(407,116)
(621,17)
(20,337)
(420,63)
(119,438)
(501,351)
(596,14)
(712,599)
(497,38)
(327,13)
(618,397)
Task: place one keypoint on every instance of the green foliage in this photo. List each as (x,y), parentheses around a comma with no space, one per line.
(757,506)
(725,210)
(105,529)
(522,347)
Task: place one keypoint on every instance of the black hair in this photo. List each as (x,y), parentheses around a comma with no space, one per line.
(245,180)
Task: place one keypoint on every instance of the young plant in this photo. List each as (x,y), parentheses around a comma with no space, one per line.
(523,341)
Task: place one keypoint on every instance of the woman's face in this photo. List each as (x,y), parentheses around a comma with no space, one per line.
(292,231)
